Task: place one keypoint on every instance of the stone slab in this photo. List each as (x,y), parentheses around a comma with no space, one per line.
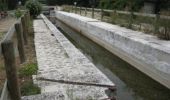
(69,92)
(59,59)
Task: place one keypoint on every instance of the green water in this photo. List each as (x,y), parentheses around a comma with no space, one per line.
(131,84)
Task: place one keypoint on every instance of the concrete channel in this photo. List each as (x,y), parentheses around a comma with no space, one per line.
(64,73)
(132,83)
(145,52)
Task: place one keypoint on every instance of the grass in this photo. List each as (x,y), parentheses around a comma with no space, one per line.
(25,74)
(160,28)
(28,70)
(1,35)
(2,74)
(28,88)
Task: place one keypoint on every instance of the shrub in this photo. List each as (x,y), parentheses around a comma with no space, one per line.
(18,13)
(34,8)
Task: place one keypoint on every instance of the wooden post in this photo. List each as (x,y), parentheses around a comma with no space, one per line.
(93,11)
(29,18)
(156,24)
(72,8)
(75,9)
(24,30)
(85,11)
(101,13)
(28,21)
(80,10)
(131,18)
(20,39)
(11,71)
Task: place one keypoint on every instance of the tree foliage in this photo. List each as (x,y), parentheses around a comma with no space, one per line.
(69,2)
(3,6)
(122,4)
(12,4)
(34,8)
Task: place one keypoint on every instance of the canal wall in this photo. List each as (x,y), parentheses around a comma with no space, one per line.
(145,52)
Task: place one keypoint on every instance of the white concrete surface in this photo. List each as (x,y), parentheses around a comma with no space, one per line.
(145,52)
(60,60)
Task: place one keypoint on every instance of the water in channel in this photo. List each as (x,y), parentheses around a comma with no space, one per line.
(131,84)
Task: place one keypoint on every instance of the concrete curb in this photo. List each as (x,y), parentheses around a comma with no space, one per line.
(145,52)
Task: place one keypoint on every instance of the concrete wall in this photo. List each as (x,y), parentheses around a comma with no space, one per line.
(145,52)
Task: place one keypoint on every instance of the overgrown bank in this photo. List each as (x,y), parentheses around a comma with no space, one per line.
(29,68)
(25,70)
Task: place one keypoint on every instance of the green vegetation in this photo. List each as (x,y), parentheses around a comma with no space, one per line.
(34,8)
(28,88)
(28,70)
(18,13)
(1,35)
(157,26)
(43,1)
(12,4)
(3,7)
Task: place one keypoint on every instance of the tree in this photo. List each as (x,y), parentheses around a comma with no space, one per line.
(12,4)
(121,4)
(69,2)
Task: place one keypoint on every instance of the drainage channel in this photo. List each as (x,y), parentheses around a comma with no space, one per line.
(131,83)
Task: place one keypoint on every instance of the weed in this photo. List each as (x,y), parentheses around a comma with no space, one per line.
(18,13)
(1,35)
(0,91)
(28,88)
(28,70)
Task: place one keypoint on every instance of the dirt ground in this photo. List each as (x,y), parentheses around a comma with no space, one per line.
(29,50)
(2,73)
(5,24)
